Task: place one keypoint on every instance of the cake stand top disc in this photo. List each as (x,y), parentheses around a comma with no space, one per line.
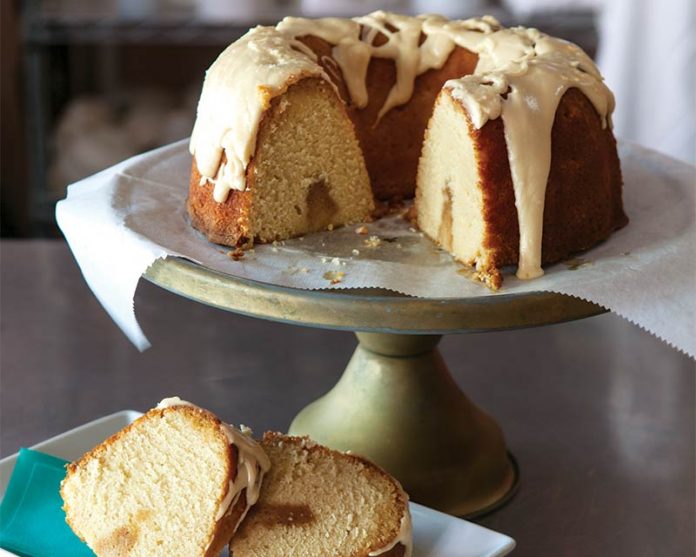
(371,310)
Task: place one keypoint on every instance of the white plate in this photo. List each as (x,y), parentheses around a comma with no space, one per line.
(435,534)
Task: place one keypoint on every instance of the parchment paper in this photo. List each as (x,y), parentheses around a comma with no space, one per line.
(119,221)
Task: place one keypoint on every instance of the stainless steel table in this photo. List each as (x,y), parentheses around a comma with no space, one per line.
(599,414)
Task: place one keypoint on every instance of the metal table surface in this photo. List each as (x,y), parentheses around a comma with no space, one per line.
(599,414)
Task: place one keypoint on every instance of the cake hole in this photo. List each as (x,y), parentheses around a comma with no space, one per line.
(321,207)
(289,515)
(374,36)
(506,93)
(119,542)
(298,210)
(444,234)
(379,39)
(143,515)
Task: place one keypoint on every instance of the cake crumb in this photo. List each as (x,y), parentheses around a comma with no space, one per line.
(294,270)
(411,215)
(373,242)
(492,279)
(468,272)
(274,249)
(575,263)
(411,229)
(330,227)
(355,252)
(361,230)
(395,205)
(236,254)
(334,276)
(337,261)
(283,105)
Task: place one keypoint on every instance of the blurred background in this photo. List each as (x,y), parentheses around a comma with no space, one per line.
(88,83)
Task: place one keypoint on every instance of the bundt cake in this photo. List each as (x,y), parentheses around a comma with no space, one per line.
(300,125)
(317,501)
(177,481)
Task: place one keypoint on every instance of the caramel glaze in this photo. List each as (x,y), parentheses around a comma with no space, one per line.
(392,146)
(573,220)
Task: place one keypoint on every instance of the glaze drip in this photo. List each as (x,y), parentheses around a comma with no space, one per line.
(238,87)
(404,537)
(252,463)
(520,76)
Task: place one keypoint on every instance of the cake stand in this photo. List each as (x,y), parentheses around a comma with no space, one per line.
(396,401)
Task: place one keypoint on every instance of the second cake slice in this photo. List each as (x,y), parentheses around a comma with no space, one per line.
(317,501)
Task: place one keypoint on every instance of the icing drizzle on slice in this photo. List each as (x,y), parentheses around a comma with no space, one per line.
(252,464)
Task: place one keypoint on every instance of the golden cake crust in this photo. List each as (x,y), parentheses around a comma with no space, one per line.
(225,223)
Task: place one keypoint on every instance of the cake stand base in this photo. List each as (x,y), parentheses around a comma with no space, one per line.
(398,405)
(396,402)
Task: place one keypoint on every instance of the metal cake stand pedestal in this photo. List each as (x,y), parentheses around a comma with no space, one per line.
(396,402)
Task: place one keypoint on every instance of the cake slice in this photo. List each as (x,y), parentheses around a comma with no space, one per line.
(176,482)
(307,174)
(466,200)
(320,502)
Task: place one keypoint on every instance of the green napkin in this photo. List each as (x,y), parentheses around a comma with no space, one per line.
(32,521)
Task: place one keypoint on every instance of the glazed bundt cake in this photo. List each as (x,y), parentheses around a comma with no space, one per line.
(177,481)
(317,501)
(300,125)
